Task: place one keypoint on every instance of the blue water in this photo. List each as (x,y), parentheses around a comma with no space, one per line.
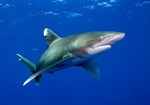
(125,69)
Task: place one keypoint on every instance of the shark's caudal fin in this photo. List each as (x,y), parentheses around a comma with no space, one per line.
(31,66)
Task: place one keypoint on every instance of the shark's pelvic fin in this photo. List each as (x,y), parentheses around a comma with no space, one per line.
(30,65)
(50,36)
(92,67)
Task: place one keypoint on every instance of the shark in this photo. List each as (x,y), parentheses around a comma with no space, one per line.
(74,50)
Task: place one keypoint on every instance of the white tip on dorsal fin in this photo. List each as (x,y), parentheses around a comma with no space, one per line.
(50,36)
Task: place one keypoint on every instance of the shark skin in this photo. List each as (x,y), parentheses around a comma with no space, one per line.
(75,50)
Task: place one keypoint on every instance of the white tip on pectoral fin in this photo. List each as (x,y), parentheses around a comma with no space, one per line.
(28,80)
(46,68)
(34,76)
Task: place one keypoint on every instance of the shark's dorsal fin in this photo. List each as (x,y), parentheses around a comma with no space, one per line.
(50,36)
(92,67)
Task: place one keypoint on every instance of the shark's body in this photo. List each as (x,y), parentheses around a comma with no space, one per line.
(75,50)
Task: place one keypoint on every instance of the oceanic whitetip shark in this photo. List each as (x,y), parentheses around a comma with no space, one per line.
(75,50)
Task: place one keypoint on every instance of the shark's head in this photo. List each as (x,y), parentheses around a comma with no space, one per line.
(102,41)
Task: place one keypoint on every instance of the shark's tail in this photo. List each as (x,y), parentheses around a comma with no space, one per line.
(31,66)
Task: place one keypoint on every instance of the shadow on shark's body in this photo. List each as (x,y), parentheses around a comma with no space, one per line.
(74,50)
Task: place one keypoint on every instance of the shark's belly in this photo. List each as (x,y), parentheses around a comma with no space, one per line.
(68,63)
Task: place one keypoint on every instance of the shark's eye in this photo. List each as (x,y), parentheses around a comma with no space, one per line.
(100,38)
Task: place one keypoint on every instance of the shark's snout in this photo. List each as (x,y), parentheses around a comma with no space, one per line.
(117,37)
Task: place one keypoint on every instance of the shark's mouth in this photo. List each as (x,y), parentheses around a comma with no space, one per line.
(99,49)
(109,40)
(104,44)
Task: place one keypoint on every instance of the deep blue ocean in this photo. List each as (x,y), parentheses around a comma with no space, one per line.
(125,69)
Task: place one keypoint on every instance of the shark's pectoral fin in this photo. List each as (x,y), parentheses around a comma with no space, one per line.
(50,36)
(65,58)
(92,67)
